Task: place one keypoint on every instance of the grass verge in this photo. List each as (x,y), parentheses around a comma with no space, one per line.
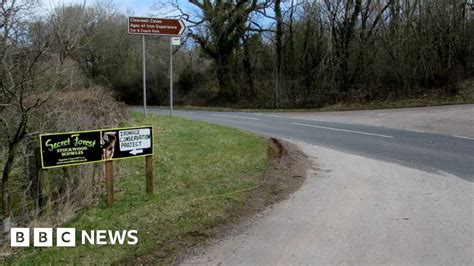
(198,169)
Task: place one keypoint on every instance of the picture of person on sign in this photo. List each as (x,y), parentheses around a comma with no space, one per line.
(107,143)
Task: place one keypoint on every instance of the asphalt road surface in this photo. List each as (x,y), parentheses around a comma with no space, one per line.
(455,120)
(352,210)
(433,153)
(374,196)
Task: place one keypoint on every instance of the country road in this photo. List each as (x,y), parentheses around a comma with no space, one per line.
(376,195)
(429,152)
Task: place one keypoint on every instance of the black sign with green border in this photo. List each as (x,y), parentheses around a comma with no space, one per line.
(84,147)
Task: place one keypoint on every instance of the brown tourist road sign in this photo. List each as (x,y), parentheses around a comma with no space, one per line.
(155,26)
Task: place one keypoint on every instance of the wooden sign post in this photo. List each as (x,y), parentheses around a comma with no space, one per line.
(109,181)
(149,174)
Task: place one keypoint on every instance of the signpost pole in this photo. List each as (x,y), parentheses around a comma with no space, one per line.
(149,174)
(171,76)
(109,181)
(156,27)
(144,75)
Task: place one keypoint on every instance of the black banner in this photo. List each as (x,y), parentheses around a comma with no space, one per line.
(75,148)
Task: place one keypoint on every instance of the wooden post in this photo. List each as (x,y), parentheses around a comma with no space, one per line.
(149,174)
(109,181)
(38,183)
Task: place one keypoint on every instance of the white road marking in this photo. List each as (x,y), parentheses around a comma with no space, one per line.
(381,114)
(462,137)
(279,116)
(414,130)
(344,130)
(235,116)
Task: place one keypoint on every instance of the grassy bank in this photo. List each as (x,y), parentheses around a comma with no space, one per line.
(198,169)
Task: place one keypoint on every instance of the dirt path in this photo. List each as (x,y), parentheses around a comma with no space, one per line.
(354,210)
(450,120)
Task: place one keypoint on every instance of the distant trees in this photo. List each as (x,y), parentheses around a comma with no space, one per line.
(264,53)
(219,31)
(287,54)
(313,53)
(277,54)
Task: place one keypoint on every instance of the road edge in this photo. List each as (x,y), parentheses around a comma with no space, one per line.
(286,172)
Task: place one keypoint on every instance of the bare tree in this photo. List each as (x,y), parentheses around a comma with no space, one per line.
(218,30)
(31,71)
(276,54)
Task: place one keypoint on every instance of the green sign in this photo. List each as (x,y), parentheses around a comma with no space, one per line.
(83,147)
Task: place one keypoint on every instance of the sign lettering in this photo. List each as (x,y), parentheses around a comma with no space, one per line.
(74,148)
(155,26)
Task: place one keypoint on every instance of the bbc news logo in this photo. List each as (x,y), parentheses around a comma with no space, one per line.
(66,237)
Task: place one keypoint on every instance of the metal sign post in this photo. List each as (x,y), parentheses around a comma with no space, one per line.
(173,41)
(144,74)
(171,76)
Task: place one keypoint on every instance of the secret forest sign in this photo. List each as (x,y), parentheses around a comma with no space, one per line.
(82,147)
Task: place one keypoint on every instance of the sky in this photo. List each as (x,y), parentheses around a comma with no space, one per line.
(145,8)
(137,7)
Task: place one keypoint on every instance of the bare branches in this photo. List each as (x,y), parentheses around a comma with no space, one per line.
(31,70)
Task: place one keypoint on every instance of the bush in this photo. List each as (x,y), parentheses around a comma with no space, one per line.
(54,196)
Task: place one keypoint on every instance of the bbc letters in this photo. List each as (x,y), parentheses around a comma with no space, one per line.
(68,237)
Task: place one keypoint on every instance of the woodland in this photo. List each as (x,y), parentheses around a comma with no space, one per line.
(76,67)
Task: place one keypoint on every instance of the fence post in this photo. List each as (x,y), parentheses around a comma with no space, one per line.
(38,179)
